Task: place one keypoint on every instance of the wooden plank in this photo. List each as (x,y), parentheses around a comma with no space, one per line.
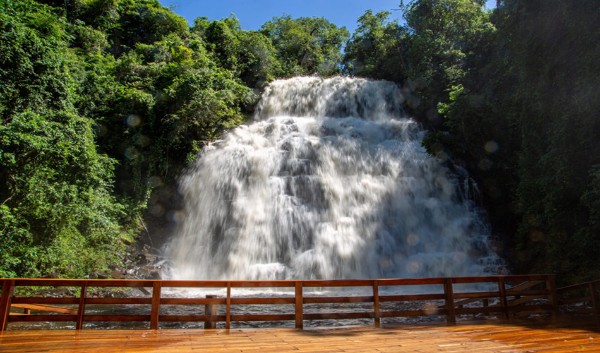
(262,284)
(339,300)
(463,338)
(338,316)
(121,283)
(410,297)
(183,318)
(52,282)
(547,308)
(533,277)
(477,295)
(193,284)
(464,302)
(155,310)
(594,299)
(552,296)
(299,317)
(48,282)
(503,299)
(577,286)
(113,318)
(273,300)
(524,300)
(5,302)
(519,288)
(44,300)
(338,283)
(228,308)
(210,310)
(191,318)
(46,308)
(263,317)
(475,279)
(42,318)
(376,316)
(478,310)
(412,313)
(409,281)
(81,307)
(449,301)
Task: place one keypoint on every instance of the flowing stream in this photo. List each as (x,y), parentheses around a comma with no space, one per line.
(330,181)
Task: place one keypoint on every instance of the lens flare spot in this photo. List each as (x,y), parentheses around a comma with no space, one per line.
(134,120)
(155,181)
(430,308)
(132,153)
(413,267)
(412,239)
(491,147)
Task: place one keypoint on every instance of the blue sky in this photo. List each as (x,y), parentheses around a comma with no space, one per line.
(253,13)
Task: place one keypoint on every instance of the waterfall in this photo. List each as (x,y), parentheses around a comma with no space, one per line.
(329,181)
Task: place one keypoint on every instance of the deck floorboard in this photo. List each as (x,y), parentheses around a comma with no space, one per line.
(465,337)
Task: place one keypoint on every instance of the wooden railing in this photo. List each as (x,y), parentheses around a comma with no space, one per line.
(378,298)
(581,296)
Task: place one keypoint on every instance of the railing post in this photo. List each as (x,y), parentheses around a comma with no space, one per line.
(211,311)
(449,298)
(552,296)
(7,291)
(376,317)
(299,302)
(594,299)
(503,299)
(155,311)
(81,308)
(228,307)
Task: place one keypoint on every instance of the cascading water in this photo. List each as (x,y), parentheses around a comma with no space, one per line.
(329,181)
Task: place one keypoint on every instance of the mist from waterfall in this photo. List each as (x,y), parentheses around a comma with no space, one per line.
(329,181)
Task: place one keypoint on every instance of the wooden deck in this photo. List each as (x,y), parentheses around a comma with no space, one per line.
(548,322)
(464,337)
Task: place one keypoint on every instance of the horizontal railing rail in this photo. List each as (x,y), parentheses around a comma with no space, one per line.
(373,299)
(582,295)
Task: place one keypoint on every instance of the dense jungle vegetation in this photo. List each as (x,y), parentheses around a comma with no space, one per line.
(105,102)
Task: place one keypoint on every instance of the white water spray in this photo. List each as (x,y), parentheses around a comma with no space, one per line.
(330,181)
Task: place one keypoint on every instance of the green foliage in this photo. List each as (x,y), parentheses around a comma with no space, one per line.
(559,122)
(128,22)
(523,119)
(249,55)
(377,48)
(33,70)
(306,45)
(55,187)
(444,35)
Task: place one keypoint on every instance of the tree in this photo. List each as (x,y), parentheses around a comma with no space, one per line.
(58,213)
(103,102)
(522,118)
(555,54)
(306,45)
(250,55)
(443,35)
(377,48)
